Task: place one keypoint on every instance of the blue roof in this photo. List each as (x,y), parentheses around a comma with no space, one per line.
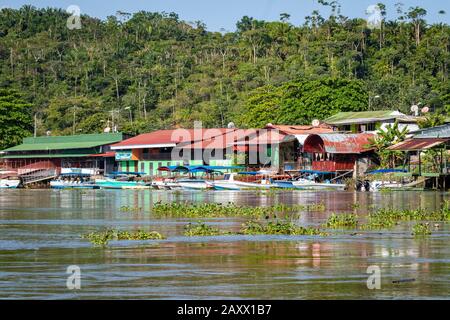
(75,174)
(129,173)
(197,168)
(316,172)
(386,171)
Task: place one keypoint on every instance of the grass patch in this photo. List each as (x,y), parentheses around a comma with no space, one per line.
(103,237)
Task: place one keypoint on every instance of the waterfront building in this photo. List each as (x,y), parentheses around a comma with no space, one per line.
(178,147)
(371,121)
(338,152)
(42,158)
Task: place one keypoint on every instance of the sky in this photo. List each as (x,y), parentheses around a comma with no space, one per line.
(222,15)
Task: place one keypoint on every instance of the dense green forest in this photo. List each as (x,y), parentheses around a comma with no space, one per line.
(147,71)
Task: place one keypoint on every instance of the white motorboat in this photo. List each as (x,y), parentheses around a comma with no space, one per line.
(194,184)
(230,183)
(9,183)
(377,185)
(73,181)
(312,185)
(9,179)
(165,184)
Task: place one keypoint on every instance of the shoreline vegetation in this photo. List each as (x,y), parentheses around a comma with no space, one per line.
(160,71)
(266,221)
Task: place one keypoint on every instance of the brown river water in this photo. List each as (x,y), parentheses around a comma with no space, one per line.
(40,237)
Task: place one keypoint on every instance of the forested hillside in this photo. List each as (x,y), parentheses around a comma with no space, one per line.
(152,70)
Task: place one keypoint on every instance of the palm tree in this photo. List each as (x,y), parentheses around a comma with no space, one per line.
(385,138)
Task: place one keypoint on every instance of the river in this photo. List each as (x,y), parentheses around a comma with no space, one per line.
(40,237)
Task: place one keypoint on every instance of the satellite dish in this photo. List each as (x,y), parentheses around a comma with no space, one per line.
(48,133)
(415,109)
(107,130)
(231,125)
(425,109)
(315,123)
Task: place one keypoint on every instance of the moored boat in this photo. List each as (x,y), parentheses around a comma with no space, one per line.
(194,184)
(9,180)
(230,183)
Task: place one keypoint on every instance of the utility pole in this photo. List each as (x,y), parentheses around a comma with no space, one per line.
(73,126)
(35,125)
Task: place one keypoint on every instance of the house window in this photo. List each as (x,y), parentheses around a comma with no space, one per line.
(371,126)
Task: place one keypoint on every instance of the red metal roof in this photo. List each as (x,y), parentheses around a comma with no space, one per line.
(417,144)
(220,141)
(175,136)
(110,154)
(303,129)
(338,143)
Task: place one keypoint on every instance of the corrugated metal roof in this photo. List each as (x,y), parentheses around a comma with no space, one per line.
(301,129)
(342,118)
(44,156)
(221,141)
(170,138)
(434,132)
(82,141)
(338,143)
(417,144)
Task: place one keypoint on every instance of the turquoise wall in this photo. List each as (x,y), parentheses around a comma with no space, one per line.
(152,170)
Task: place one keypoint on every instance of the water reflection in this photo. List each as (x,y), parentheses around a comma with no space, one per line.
(40,236)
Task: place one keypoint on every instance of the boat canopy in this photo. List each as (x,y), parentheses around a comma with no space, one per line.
(316,172)
(116,173)
(75,174)
(194,169)
(386,171)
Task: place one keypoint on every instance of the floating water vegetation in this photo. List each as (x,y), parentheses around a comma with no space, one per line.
(278,228)
(345,220)
(130,209)
(201,229)
(253,227)
(212,210)
(103,237)
(421,229)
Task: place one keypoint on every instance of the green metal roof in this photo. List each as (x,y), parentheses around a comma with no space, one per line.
(81,141)
(32,156)
(362,115)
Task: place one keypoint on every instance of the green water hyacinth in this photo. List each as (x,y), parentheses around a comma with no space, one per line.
(345,220)
(278,228)
(213,210)
(421,230)
(103,237)
(200,229)
(130,209)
